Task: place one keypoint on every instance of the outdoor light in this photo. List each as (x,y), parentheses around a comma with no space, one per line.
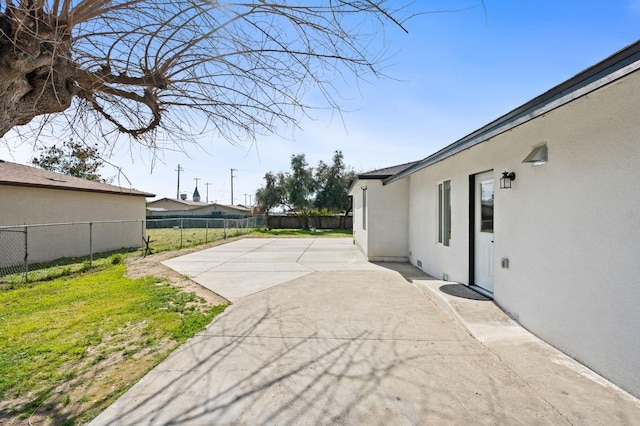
(539,155)
(506,179)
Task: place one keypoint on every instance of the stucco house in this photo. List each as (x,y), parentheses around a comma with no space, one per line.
(539,209)
(167,207)
(174,204)
(33,196)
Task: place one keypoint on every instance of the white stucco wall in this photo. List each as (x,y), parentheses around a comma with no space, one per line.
(201,211)
(28,205)
(386,236)
(570,228)
(165,203)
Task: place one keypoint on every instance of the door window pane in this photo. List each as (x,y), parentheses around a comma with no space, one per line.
(486,206)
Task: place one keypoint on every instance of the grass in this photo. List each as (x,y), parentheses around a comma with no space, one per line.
(74,338)
(56,333)
(60,268)
(164,239)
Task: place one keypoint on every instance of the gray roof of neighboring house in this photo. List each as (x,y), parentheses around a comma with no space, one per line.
(216,205)
(14,174)
(185,202)
(198,205)
(614,67)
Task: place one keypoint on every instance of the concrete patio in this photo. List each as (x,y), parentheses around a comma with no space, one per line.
(317,335)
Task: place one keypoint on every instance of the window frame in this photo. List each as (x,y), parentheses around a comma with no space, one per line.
(364,208)
(444,213)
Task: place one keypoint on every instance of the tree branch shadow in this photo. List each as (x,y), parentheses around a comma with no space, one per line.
(248,368)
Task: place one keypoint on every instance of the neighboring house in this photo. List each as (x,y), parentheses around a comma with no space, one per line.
(165,208)
(561,254)
(173,204)
(34,196)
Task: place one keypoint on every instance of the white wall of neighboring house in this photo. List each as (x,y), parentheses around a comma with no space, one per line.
(570,228)
(206,210)
(386,236)
(31,205)
(169,204)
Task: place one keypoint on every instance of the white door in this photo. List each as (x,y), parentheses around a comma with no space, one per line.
(483,255)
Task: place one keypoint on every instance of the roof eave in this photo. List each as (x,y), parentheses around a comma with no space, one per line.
(69,188)
(616,66)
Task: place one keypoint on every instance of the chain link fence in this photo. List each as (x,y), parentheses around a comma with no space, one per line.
(33,252)
(177,233)
(26,251)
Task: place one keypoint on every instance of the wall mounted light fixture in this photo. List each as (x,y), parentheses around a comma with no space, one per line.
(539,155)
(506,179)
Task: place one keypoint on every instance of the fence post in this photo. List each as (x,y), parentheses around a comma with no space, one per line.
(206,231)
(26,254)
(181,227)
(90,244)
(224,221)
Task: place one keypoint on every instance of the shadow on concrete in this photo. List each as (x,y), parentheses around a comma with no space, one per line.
(462,291)
(249,368)
(365,348)
(406,270)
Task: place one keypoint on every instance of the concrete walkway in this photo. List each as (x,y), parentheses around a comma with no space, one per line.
(251,265)
(344,341)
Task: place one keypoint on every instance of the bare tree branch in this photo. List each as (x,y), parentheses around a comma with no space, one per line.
(151,69)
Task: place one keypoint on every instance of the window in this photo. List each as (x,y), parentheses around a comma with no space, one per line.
(444,213)
(486,207)
(364,208)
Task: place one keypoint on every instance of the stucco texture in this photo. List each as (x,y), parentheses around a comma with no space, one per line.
(570,228)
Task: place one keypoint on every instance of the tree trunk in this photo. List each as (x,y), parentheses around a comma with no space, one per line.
(35,67)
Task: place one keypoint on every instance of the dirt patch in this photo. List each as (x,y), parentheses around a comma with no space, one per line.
(138,267)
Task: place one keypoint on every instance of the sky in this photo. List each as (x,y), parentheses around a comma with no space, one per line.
(450,75)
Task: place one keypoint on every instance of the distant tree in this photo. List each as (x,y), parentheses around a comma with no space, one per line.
(333,184)
(299,189)
(303,191)
(271,194)
(73,159)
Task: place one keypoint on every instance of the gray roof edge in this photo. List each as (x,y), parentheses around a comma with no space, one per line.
(614,67)
(118,190)
(379,174)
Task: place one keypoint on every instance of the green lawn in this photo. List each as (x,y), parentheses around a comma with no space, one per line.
(59,335)
(173,239)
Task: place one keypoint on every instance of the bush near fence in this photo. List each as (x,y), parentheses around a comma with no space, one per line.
(318,222)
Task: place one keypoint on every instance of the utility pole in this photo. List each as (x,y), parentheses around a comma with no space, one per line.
(197,179)
(207,185)
(179,169)
(232,170)
(245,199)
